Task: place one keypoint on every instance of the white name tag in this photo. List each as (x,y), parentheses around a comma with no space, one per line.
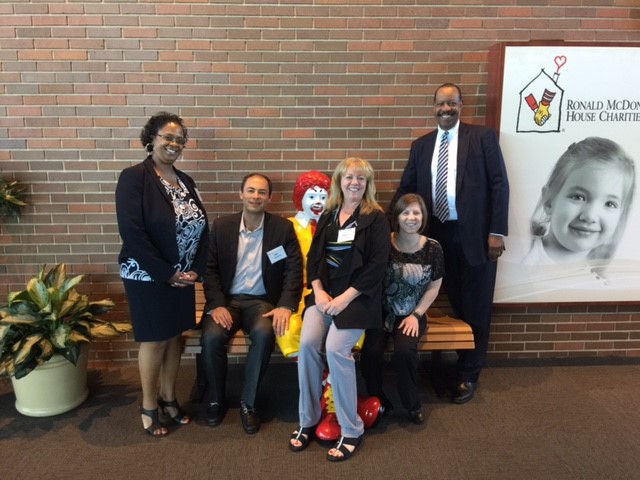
(276,254)
(346,235)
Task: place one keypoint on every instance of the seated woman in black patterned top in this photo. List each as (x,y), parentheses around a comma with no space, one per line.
(411,284)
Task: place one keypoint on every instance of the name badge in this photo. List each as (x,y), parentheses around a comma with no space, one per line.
(276,254)
(346,235)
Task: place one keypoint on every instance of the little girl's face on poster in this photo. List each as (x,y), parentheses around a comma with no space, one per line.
(587,209)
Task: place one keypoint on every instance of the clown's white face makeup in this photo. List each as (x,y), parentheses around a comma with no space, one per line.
(313,202)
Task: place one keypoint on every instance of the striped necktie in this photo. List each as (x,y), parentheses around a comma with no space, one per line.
(441,204)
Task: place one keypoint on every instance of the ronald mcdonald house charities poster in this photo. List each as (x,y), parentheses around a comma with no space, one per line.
(570,134)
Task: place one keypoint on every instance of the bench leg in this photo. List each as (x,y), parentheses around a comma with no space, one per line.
(437,374)
(200,385)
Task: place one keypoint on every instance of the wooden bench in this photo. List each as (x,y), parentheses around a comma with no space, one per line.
(443,333)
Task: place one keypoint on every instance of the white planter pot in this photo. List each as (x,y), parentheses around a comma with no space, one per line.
(53,388)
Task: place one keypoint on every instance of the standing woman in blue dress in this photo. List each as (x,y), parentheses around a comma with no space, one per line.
(164,231)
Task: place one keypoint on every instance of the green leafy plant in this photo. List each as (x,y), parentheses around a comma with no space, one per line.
(50,317)
(12,198)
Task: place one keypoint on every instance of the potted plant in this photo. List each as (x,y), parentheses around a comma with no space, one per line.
(12,196)
(44,330)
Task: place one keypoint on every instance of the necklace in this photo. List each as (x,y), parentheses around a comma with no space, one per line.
(175,184)
(171,181)
(169,176)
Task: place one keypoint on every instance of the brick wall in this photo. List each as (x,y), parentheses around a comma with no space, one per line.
(277,86)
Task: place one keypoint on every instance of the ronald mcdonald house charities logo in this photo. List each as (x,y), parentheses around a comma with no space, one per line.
(542,107)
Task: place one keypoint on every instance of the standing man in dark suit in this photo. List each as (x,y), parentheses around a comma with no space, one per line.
(254,282)
(463,179)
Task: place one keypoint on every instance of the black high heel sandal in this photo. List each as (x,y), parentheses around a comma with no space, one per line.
(304,436)
(341,446)
(181,417)
(155,429)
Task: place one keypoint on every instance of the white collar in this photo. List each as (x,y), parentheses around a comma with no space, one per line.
(243,227)
(453,131)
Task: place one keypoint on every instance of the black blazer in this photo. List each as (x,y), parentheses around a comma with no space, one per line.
(147,221)
(282,280)
(363,268)
(482,187)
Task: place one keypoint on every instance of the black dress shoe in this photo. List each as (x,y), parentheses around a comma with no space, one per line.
(464,392)
(417,416)
(215,413)
(250,419)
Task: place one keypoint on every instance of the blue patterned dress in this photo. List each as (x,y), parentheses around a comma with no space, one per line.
(159,311)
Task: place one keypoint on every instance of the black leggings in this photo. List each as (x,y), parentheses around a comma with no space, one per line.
(405,362)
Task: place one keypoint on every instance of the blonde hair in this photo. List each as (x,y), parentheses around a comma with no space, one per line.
(362,167)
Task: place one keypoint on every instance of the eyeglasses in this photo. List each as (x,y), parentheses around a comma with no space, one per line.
(171,139)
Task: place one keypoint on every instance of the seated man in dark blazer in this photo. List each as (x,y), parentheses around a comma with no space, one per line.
(253,282)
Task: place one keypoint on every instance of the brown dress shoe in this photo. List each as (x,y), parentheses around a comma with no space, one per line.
(215,414)
(250,418)
(417,416)
(464,392)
